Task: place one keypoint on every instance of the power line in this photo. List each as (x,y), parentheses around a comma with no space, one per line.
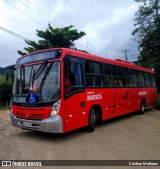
(43,13)
(54,11)
(36,11)
(32,18)
(84,18)
(93,25)
(47,15)
(13,34)
(22,38)
(24,14)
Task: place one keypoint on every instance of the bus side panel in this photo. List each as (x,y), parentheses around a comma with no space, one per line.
(107,103)
(103,97)
(122,101)
(149,94)
(153,96)
(76,115)
(135,100)
(77,107)
(149,97)
(113,102)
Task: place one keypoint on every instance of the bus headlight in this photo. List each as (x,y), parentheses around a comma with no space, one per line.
(55,109)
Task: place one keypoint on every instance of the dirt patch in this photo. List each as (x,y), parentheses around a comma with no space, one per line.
(132,137)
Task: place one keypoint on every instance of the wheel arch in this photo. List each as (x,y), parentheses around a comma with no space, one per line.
(98,110)
(143,99)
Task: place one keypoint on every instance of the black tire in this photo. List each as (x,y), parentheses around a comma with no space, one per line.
(91,121)
(98,117)
(143,106)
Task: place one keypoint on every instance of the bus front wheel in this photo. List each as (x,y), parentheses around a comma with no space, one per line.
(91,120)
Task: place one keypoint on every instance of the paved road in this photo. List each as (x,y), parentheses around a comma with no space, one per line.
(132,137)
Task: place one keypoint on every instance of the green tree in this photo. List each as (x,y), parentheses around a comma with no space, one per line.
(54,38)
(147,33)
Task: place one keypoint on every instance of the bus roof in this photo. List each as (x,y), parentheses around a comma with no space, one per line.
(89,56)
(117,62)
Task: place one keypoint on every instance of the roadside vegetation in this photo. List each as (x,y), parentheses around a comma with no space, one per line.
(158,102)
(3,108)
(146,33)
(5,91)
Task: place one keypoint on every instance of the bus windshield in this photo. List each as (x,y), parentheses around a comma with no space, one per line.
(42,80)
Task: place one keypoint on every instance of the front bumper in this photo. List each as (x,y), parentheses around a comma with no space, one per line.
(50,125)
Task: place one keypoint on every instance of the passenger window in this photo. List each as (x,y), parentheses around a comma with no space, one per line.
(141,79)
(94,74)
(107,75)
(123,76)
(133,77)
(73,77)
(148,80)
(153,81)
(114,81)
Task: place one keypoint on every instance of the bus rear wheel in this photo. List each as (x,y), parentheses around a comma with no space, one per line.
(91,120)
(143,106)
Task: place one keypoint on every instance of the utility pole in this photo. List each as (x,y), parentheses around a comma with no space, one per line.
(125,51)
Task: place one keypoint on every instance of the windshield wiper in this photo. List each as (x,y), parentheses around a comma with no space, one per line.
(39,71)
(46,74)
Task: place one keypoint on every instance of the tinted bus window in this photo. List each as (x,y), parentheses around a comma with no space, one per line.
(93,67)
(141,79)
(133,78)
(94,74)
(148,80)
(153,81)
(114,76)
(107,75)
(123,76)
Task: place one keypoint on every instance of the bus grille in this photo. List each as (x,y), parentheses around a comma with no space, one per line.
(30,116)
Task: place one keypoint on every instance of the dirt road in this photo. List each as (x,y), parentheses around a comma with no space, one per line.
(132,137)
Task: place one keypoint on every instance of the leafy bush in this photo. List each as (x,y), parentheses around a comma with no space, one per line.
(158,102)
(2,78)
(5,92)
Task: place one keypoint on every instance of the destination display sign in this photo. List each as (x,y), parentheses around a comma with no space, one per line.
(19,99)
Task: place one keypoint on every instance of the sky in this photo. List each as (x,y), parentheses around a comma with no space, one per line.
(108,25)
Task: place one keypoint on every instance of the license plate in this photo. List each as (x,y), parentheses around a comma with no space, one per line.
(26,124)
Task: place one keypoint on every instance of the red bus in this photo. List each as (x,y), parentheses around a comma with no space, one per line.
(59,90)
